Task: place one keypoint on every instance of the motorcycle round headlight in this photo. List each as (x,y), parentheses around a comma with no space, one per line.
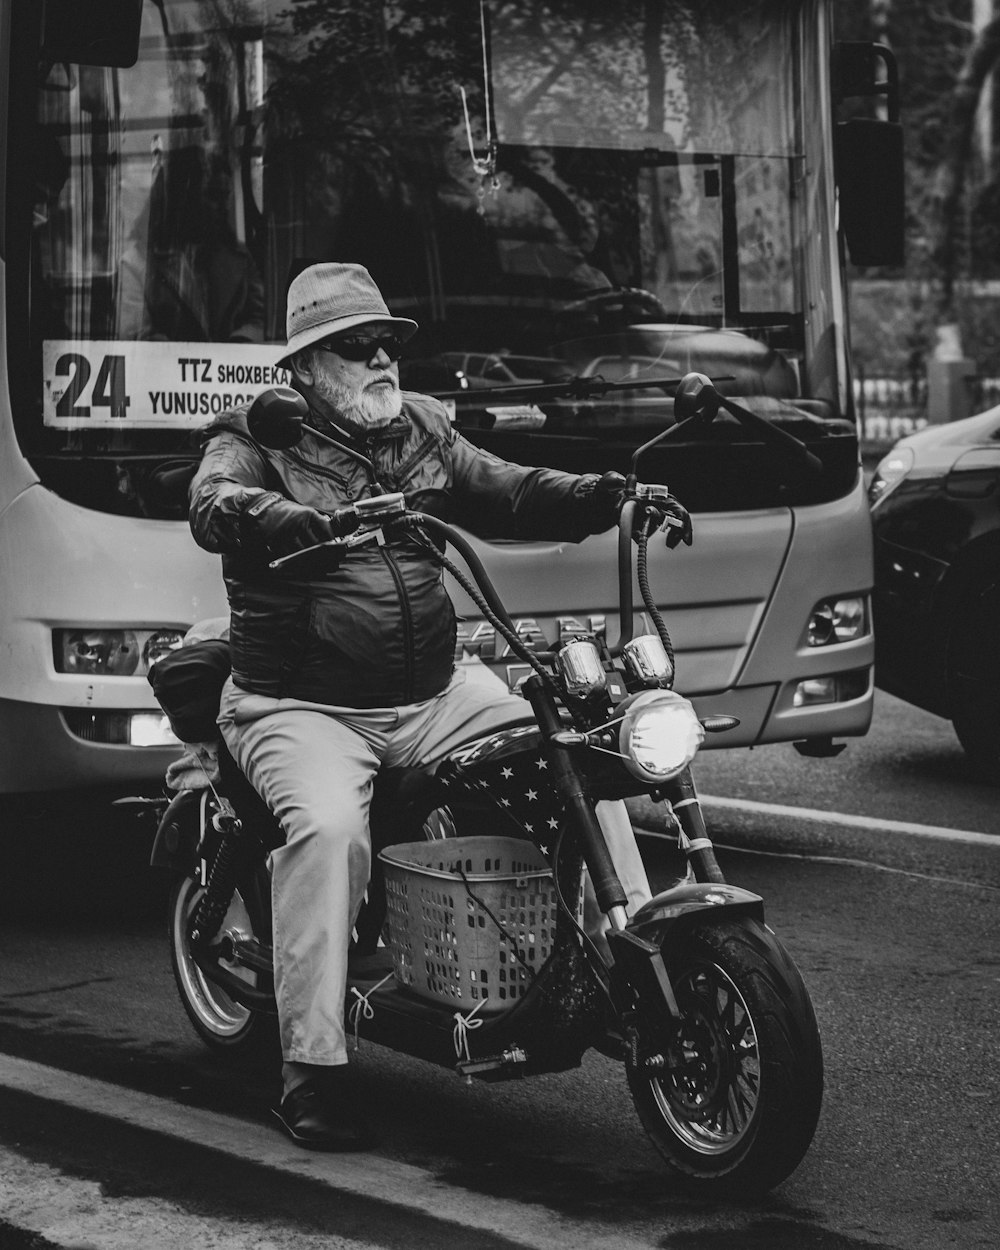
(660,734)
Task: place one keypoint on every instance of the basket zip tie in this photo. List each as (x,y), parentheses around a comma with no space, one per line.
(363,1008)
(463,1027)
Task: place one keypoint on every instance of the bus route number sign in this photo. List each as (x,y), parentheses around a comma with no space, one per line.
(152,385)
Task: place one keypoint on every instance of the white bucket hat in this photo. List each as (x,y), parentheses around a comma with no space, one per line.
(330,298)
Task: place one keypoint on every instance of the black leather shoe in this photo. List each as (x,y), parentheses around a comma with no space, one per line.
(318,1116)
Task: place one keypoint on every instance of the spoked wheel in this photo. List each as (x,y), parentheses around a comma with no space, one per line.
(731,1101)
(219,1021)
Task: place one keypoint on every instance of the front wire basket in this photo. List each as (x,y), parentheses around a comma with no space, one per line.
(470,921)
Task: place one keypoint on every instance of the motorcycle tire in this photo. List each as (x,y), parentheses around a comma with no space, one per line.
(738,1116)
(220,1022)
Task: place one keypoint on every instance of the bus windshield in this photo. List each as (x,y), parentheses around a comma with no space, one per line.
(552,190)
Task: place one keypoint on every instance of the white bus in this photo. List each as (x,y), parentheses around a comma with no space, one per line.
(625,190)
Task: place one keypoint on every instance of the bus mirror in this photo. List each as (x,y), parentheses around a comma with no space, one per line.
(92,32)
(855,72)
(868,157)
(276,418)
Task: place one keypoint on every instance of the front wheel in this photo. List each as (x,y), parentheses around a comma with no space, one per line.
(220,1022)
(732,1099)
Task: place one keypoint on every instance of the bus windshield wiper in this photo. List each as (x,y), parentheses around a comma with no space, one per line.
(696,402)
(566,388)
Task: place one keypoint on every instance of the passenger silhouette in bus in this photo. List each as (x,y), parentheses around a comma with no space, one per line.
(185,276)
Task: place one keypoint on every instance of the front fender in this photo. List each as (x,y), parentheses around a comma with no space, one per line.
(179,832)
(686,902)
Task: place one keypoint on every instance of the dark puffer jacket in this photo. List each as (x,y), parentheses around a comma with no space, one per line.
(374,627)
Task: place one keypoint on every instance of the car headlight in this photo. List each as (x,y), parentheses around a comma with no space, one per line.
(889,472)
(660,734)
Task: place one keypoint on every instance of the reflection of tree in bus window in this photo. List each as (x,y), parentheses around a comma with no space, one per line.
(185,276)
(551,229)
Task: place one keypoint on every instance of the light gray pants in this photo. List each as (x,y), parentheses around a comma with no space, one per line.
(314,765)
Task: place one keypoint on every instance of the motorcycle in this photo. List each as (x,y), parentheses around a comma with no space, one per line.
(477,893)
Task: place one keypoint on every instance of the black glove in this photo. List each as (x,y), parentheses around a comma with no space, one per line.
(282,526)
(668,514)
(605,501)
(665,513)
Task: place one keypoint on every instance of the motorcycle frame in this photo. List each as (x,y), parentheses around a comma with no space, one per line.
(574,998)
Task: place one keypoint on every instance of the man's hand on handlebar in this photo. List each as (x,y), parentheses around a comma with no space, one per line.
(656,503)
(664,512)
(285,527)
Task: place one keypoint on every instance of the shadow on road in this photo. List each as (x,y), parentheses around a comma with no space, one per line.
(73,856)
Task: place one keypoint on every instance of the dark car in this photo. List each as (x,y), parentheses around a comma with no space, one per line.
(935,501)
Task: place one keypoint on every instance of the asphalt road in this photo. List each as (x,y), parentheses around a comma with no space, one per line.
(116,1128)
(909,767)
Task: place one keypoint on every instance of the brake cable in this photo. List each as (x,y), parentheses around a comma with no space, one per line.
(477,597)
(649,603)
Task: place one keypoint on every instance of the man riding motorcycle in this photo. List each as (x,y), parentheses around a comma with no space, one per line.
(343,658)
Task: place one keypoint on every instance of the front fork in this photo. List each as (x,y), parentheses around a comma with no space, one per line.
(692,836)
(640,983)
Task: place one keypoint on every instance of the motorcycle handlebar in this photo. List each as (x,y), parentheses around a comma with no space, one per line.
(354,524)
(378,508)
(362,521)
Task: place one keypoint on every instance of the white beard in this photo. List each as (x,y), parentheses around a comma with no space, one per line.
(369,409)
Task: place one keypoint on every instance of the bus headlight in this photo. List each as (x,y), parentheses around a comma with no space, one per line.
(160,644)
(112,652)
(120,729)
(832,688)
(102,652)
(150,729)
(660,734)
(837,620)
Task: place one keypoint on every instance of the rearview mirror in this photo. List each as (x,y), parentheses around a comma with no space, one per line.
(868,156)
(694,394)
(869,163)
(276,418)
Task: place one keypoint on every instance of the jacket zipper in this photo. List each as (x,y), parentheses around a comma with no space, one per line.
(404,603)
(402,596)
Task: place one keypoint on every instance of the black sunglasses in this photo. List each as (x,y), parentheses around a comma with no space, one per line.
(351,347)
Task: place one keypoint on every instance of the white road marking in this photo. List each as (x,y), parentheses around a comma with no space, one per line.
(856,822)
(362,1175)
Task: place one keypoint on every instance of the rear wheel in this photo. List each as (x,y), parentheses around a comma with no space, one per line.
(220,1022)
(974,677)
(732,1099)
